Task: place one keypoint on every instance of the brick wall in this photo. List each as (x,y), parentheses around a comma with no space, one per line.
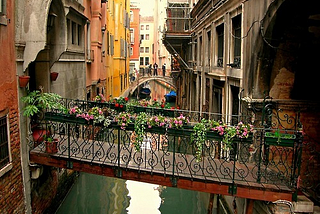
(11,184)
(44,190)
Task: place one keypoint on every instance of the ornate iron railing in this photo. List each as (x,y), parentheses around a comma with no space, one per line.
(267,157)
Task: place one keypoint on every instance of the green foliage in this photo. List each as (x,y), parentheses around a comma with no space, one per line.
(36,101)
(199,137)
(140,124)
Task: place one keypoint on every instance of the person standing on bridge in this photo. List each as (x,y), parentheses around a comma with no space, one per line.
(136,72)
(155,67)
(150,70)
(164,69)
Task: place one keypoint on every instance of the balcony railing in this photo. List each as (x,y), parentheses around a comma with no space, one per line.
(265,157)
(178,18)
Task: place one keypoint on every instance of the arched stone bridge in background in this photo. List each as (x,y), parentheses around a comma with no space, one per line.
(141,80)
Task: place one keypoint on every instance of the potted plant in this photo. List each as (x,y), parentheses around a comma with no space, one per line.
(123,119)
(51,144)
(37,100)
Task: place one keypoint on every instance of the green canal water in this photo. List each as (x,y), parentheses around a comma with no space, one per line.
(94,194)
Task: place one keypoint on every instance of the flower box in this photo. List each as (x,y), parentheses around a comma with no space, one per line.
(214,136)
(129,127)
(184,131)
(158,130)
(168,112)
(278,139)
(65,118)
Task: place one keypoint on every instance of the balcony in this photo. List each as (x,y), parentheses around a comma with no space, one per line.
(177,34)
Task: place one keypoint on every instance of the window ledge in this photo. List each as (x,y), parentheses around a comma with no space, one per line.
(5,169)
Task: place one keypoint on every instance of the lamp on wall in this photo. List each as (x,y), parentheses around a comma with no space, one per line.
(51,18)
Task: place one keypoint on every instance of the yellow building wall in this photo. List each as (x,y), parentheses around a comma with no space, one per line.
(117,58)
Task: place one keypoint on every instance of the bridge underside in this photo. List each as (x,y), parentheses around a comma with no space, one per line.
(263,192)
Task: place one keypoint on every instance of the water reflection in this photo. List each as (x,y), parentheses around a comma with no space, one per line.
(144,198)
(158,90)
(176,200)
(94,194)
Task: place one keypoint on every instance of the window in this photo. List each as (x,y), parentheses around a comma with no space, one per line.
(141,60)
(111,45)
(147,36)
(200,49)
(5,156)
(79,31)
(131,51)
(108,43)
(131,16)
(141,37)
(3,12)
(147,27)
(142,27)
(220,34)
(147,50)
(146,60)
(122,48)
(141,49)
(208,47)
(75,32)
(103,49)
(132,35)
(2,7)
(236,31)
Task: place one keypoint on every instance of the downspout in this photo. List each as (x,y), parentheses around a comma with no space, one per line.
(126,48)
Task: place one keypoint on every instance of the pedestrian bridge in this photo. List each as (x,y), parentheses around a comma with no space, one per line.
(251,167)
(141,80)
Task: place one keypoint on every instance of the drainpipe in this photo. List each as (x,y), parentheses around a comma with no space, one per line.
(126,47)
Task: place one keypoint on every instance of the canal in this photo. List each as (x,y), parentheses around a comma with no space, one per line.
(95,194)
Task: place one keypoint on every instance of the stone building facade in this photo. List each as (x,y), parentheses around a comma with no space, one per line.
(237,52)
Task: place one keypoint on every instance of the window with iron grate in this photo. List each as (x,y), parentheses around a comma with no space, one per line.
(4,143)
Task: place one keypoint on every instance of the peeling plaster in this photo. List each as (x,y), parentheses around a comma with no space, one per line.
(34,28)
(283,84)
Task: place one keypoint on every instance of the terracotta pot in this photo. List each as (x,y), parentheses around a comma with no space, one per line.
(23,81)
(52,147)
(38,135)
(54,76)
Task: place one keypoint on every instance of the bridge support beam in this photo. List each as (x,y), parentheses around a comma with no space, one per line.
(160,179)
